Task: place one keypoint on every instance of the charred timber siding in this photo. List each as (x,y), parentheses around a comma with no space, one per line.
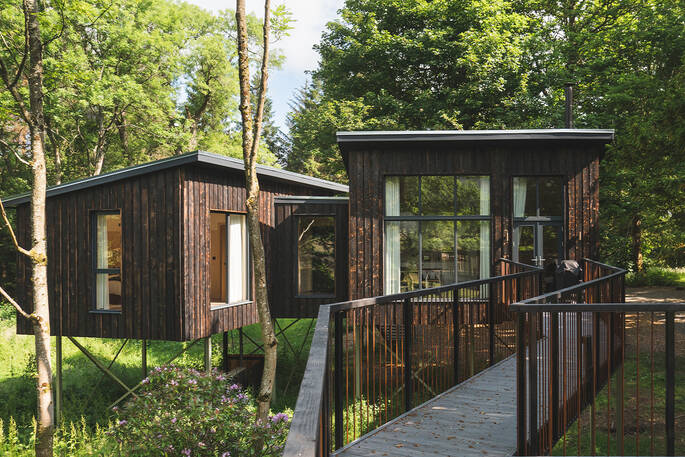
(151,278)
(207,189)
(368,163)
(284,299)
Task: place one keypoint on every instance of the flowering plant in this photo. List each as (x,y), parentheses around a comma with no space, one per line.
(187,413)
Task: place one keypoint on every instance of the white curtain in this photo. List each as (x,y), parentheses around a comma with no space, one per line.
(484,231)
(520,186)
(102,280)
(237,258)
(392,236)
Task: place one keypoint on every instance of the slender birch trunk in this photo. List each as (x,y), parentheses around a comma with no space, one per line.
(251,134)
(40,317)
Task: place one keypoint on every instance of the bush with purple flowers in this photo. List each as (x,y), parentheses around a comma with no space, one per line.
(187,413)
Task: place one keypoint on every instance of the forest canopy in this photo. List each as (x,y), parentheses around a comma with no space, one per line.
(471,64)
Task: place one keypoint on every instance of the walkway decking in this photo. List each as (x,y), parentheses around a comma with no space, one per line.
(475,418)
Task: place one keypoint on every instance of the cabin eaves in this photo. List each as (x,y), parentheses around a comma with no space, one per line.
(197,157)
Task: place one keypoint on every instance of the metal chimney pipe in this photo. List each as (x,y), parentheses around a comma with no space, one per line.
(569,105)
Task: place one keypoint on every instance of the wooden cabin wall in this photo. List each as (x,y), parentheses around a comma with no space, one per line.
(285,303)
(577,162)
(151,268)
(206,189)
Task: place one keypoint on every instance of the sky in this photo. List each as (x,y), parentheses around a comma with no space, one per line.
(310,18)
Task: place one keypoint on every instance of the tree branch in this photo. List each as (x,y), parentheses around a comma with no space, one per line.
(9,227)
(16,305)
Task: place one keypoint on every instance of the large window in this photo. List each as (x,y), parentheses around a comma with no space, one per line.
(107,262)
(229,263)
(316,255)
(437,231)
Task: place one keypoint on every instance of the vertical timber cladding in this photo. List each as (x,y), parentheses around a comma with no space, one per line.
(368,163)
(206,189)
(151,288)
(284,299)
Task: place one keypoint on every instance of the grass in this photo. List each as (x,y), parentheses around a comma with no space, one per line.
(87,394)
(640,432)
(657,276)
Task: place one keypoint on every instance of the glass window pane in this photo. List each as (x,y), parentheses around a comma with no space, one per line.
(114,283)
(473,250)
(473,195)
(401,256)
(524,243)
(409,195)
(108,291)
(238,259)
(438,253)
(551,196)
(531,198)
(316,255)
(437,195)
(108,241)
(217,261)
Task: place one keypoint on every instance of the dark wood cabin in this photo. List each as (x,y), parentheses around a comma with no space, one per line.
(433,207)
(148,252)
(309,257)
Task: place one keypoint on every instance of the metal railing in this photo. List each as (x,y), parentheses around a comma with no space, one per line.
(595,374)
(373,359)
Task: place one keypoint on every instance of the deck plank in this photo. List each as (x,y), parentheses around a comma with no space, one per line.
(477,417)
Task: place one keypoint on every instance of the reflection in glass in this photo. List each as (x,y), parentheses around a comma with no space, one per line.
(473,195)
(401,256)
(551,196)
(218,262)
(524,242)
(316,255)
(229,268)
(470,252)
(437,195)
(437,253)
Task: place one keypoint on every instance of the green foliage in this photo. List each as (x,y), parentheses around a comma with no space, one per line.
(360,417)
(182,412)
(655,276)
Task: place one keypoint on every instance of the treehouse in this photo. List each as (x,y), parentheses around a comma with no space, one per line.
(432,208)
(160,251)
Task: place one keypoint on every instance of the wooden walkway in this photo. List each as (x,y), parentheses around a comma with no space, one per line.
(475,418)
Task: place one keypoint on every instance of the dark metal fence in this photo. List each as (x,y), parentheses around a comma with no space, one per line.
(372,360)
(596,375)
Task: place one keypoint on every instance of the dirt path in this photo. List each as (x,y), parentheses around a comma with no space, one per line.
(655,294)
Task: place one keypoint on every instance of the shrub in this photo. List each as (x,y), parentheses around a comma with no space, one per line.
(656,276)
(184,412)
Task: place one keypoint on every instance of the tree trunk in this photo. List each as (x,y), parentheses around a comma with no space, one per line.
(636,235)
(251,135)
(39,277)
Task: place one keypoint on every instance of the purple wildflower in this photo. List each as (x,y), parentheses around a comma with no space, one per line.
(123,422)
(186,452)
(173,420)
(226,454)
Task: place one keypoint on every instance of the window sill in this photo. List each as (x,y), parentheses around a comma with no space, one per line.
(104,311)
(218,306)
(316,296)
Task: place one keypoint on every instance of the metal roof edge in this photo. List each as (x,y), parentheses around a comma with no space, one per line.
(306,199)
(176,161)
(606,135)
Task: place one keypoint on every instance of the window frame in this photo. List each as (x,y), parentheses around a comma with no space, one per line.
(214,306)
(540,218)
(296,269)
(421,218)
(94,213)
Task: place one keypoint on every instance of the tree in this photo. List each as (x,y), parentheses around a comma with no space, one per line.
(251,130)
(30,70)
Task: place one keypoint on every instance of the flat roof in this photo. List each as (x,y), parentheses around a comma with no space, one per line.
(604,135)
(197,157)
(308,199)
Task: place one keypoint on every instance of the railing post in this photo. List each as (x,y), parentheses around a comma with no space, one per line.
(670,383)
(521,435)
(491,324)
(533,383)
(554,373)
(338,381)
(455,326)
(408,321)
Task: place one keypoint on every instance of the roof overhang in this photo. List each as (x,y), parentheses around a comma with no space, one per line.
(197,157)
(600,135)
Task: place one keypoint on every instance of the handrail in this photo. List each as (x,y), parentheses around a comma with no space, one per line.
(309,430)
